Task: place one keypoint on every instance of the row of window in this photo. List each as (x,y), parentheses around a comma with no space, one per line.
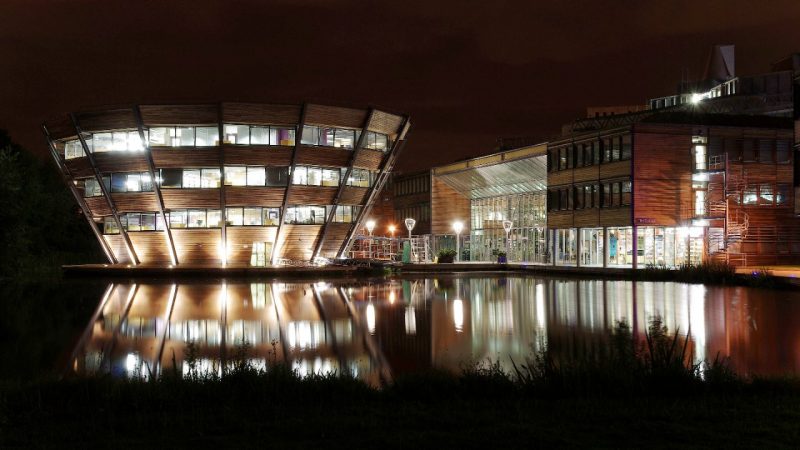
(234,216)
(603,195)
(420,212)
(208,136)
(412,185)
(767,151)
(606,150)
(763,194)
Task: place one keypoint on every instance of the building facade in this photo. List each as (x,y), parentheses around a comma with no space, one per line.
(226,183)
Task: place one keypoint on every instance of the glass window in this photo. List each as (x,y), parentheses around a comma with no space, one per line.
(213,218)
(73,149)
(310,135)
(326,136)
(191,178)
(207,136)
(765,194)
(317,214)
(300,175)
(587,197)
(258,135)
(615,194)
(344,138)
(252,216)
(148,221)
(147,182)
(699,203)
(270,216)
(330,177)
(110,226)
(134,182)
(616,148)
(578,192)
(235,134)
(626,147)
(210,178)
(91,188)
(277,176)
(562,158)
(749,197)
(783,151)
(360,178)
(119,141)
(281,136)
(782,194)
(235,176)
(177,219)
(119,182)
(255,176)
(314,176)
(133,220)
(171,178)
(159,136)
(606,150)
(578,149)
(102,142)
(607,195)
(626,193)
(197,218)
(234,216)
(376,141)
(183,137)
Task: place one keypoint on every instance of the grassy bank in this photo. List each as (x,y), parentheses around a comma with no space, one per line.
(627,394)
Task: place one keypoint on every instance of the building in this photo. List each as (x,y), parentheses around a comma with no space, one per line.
(411,198)
(225,183)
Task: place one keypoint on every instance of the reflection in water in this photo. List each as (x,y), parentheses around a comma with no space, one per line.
(376,330)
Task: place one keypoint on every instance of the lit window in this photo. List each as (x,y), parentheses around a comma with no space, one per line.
(234,216)
(207,136)
(782,194)
(191,178)
(270,216)
(73,149)
(765,194)
(330,177)
(310,135)
(183,137)
(210,178)
(300,175)
(699,203)
(258,135)
(177,219)
(314,176)
(237,134)
(197,218)
(235,176)
(214,218)
(255,176)
(281,136)
(159,137)
(102,142)
(750,197)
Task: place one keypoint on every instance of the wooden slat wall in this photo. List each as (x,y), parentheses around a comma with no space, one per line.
(585,174)
(150,246)
(298,241)
(335,116)
(662,186)
(179,114)
(323,156)
(586,218)
(336,234)
(117,245)
(108,162)
(368,159)
(383,122)
(185,158)
(240,242)
(560,219)
(79,167)
(254,196)
(311,195)
(118,119)
(619,169)
(135,201)
(60,128)
(260,114)
(615,217)
(258,155)
(447,206)
(190,198)
(198,246)
(98,206)
(352,195)
(560,178)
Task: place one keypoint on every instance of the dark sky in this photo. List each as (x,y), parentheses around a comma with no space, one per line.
(467,71)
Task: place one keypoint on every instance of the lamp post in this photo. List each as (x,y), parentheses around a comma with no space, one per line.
(507,226)
(370,227)
(458,226)
(391,232)
(410,225)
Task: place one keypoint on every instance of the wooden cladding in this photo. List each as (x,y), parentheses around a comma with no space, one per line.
(117,245)
(260,114)
(298,241)
(98,206)
(385,123)
(368,159)
(323,156)
(241,239)
(151,247)
(615,169)
(184,158)
(197,246)
(334,115)
(79,167)
(353,195)
(662,179)
(311,195)
(60,128)
(190,198)
(257,155)
(120,162)
(119,119)
(447,206)
(179,114)
(254,196)
(335,234)
(615,217)
(135,201)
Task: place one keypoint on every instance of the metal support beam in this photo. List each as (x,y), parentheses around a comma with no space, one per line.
(297,138)
(329,329)
(385,169)
(343,183)
(222,210)
(90,157)
(173,294)
(151,166)
(87,213)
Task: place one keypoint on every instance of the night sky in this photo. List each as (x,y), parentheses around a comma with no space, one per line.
(467,72)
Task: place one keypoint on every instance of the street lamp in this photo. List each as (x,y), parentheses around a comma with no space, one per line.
(370,227)
(410,225)
(507,226)
(458,226)
(391,231)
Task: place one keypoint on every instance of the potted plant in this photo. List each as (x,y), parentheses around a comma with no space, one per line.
(446,255)
(501,257)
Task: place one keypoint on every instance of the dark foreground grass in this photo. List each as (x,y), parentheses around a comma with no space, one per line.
(626,395)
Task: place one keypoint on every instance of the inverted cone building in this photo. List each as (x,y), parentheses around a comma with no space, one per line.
(225,183)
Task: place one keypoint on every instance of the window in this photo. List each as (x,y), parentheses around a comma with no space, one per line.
(700,203)
(210,178)
(252,216)
(615,191)
(616,148)
(578,192)
(314,176)
(270,216)
(183,136)
(239,134)
(207,136)
(277,176)
(235,176)
(607,195)
(783,151)
(765,151)
(300,175)
(134,222)
(626,147)
(213,218)
(118,182)
(256,176)
(782,194)
(376,141)
(197,218)
(305,215)
(258,135)
(191,178)
(310,135)
(363,178)
(700,157)
(148,221)
(234,216)
(606,150)
(626,193)
(344,138)
(102,142)
(750,197)
(578,149)
(588,197)
(281,136)
(91,188)
(330,177)
(171,178)
(110,226)
(562,158)
(765,194)
(177,219)
(345,213)
(73,149)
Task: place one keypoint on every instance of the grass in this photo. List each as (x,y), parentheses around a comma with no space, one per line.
(711,273)
(628,394)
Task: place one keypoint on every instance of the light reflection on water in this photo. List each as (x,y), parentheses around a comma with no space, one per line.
(376,330)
